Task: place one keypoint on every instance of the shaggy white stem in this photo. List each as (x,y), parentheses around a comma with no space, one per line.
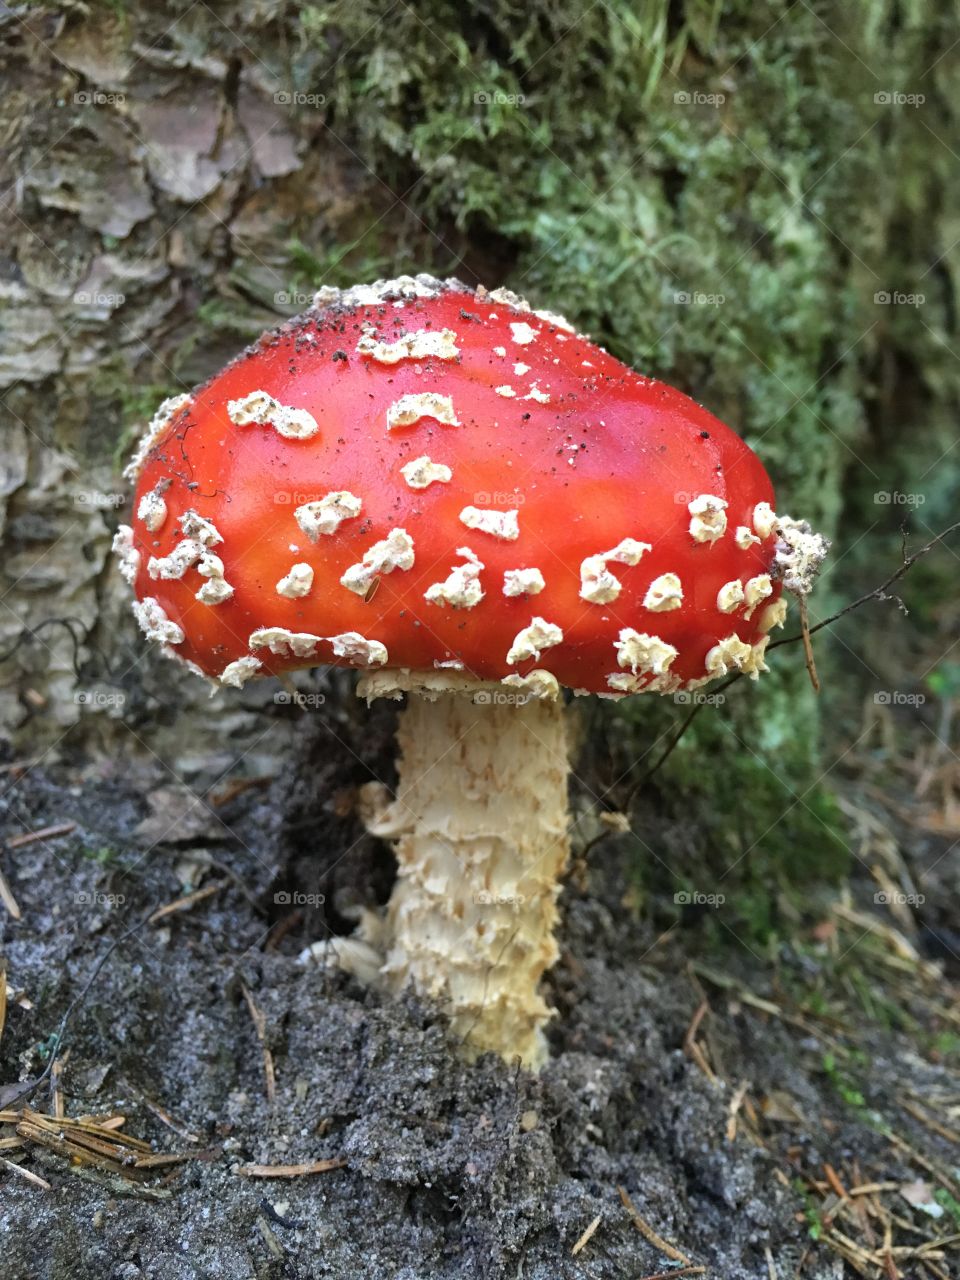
(480,821)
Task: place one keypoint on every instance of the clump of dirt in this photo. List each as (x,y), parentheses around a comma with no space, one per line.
(702,1089)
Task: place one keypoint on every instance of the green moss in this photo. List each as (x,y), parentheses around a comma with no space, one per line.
(219,316)
(844,1084)
(364,258)
(105,855)
(949,1203)
(767,826)
(115,393)
(946,1045)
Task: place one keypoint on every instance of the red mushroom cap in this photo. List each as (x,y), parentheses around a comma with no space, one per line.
(415,475)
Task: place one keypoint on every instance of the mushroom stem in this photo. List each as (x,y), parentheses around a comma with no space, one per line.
(480,821)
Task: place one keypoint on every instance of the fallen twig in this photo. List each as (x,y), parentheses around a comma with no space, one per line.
(115,1183)
(235,788)
(187,901)
(586,1237)
(260,1026)
(26,1173)
(56,1088)
(733,1110)
(878,593)
(163,1116)
(675,1271)
(288,1170)
(650,1235)
(836,1185)
(807,646)
(45,833)
(7,898)
(949,1183)
(918,1113)
(92,1142)
(691,1049)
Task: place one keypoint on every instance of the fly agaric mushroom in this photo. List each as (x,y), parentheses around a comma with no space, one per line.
(476,507)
